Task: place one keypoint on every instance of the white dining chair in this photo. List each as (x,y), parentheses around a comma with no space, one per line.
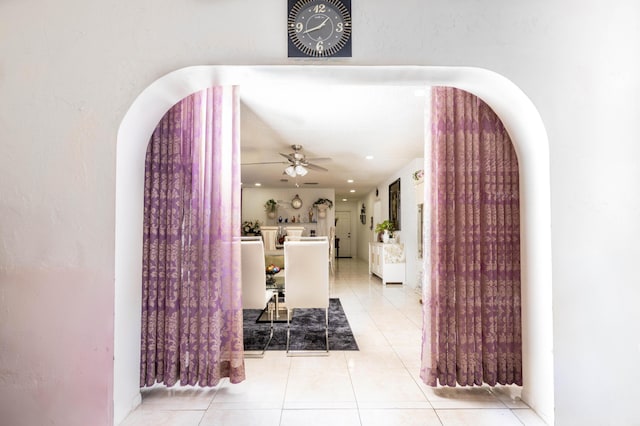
(306,281)
(254,277)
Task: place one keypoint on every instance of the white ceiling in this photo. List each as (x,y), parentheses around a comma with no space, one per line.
(344,123)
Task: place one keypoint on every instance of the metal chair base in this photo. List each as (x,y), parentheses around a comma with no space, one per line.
(258,354)
(309,353)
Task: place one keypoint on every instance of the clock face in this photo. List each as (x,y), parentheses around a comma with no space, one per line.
(319,28)
(296,203)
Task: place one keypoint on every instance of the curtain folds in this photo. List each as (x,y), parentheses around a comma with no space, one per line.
(191,293)
(472,331)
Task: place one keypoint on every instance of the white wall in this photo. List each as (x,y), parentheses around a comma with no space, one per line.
(408,234)
(409,220)
(365,233)
(69,71)
(253,200)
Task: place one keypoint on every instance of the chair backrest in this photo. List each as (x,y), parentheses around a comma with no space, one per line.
(269,234)
(254,275)
(295,231)
(306,270)
(298,238)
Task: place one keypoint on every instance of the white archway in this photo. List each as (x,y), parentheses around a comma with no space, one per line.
(516,112)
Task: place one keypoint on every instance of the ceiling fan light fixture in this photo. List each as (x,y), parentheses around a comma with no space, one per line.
(291,171)
(301,170)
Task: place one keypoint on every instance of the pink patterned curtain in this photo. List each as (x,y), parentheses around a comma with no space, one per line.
(191,292)
(472,331)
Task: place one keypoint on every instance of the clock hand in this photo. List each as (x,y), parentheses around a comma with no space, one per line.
(324,22)
(312,29)
(316,27)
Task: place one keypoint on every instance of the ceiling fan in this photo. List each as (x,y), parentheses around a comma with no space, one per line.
(297,164)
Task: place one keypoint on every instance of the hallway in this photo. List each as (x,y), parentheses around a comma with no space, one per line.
(377,385)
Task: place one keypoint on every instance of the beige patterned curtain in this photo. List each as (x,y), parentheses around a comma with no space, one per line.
(472,318)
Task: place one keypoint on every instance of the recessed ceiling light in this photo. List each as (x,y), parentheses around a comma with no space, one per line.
(257,184)
(369,157)
(353,190)
(344,199)
(349,180)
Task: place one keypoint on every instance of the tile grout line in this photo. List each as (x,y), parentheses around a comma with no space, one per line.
(284,395)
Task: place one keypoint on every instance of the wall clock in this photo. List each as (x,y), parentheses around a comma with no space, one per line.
(296,203)
(319,28)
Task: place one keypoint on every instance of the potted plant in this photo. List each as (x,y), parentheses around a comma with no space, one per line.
(322,204)
(251,228)
(385,230)
(271,206)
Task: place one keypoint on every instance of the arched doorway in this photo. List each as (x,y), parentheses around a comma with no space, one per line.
(514,108)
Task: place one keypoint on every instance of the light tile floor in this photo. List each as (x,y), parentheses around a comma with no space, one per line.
(377,385)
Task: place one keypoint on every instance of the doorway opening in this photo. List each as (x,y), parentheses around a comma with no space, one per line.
(516,111)
(343,234)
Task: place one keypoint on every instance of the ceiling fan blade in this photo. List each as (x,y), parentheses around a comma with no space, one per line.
(315,167)
(319,159)
(288,157)
(264,162)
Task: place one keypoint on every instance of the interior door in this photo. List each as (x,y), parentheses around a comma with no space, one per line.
(343,231)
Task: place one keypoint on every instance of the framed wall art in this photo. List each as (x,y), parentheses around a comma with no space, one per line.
(394,204)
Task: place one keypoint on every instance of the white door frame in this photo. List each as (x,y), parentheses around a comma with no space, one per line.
(345,242)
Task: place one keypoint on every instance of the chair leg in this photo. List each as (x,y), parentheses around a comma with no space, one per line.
(288,330)
(305,352)
(268,341)
(270,334)
(326,327)
(264,349)
(271,324)
(261,354)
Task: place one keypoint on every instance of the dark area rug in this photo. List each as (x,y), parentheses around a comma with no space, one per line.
(307,330)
